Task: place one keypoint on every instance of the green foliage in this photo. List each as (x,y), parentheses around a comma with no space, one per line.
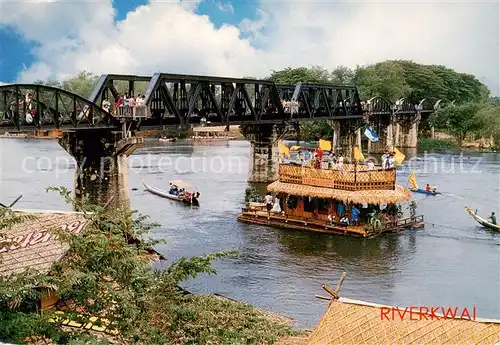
(459,121)
(315,130)
(435,144)
(252,195)
(412,207)
(290,75)
(384,79)
(395,79)
(82,84)
(106,274)
(489,118)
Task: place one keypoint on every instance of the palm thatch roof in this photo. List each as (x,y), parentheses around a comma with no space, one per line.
(355,322)
(374,197)
(32,243)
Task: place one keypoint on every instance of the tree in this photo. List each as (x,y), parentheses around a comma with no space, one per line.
(395,79)
(460,120)
(289,75)
(384,79)
(489,118)
(342,75)
(83,84)
(104,275)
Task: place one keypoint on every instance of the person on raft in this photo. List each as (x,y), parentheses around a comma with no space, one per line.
(269,203)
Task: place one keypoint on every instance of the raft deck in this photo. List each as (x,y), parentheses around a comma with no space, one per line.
(318,225)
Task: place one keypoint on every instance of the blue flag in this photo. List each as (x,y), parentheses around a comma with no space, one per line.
(371,135)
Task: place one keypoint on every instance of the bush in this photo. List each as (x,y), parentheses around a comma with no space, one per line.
(435,144)
(104,275)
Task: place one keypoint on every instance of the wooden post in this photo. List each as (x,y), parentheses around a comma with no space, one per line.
(335,293)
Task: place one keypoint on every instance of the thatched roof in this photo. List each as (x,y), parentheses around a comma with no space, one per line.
(355,322)
(32,243)
(375,197)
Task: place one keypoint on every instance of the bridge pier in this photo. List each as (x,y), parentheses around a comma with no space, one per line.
(345,136)
(102,169)
(385,140)
(406,134)
(264,155)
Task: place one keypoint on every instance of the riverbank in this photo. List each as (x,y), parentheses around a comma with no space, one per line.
(445,141)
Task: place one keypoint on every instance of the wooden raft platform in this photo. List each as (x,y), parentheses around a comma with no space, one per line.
(317,225)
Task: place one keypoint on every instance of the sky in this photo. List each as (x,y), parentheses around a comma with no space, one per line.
(41,39)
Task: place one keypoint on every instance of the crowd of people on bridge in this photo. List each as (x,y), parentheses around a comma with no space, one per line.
(124,103)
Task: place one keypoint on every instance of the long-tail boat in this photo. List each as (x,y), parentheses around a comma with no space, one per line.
(190,189)
(481,220)
(316,199)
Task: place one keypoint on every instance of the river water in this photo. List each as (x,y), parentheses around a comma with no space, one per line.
(452,262)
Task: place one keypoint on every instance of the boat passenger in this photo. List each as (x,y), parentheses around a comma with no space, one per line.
(385,160)
(269,202)
(355,215)
(428,188)
(276,206)
(392,160)
(493,218)
(331,218)
(340,208)
(340,161)
(370,165)
(344,220)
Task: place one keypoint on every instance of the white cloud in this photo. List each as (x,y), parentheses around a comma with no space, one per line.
(171,37)
(225,6)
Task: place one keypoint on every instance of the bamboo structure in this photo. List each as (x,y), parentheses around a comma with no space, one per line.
(349,321)
(350,177)
(399,194)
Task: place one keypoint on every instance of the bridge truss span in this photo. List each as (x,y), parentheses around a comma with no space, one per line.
(175,99)
(38,107)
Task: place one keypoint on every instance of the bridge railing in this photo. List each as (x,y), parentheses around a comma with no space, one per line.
(135,112)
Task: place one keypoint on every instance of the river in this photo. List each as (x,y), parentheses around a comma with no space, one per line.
(452,262)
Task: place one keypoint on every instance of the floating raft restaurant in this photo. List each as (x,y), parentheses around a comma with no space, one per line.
(309,198)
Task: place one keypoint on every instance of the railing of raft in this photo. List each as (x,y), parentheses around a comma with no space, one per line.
(352,177)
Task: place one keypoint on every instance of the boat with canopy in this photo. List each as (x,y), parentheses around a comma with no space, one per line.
(179,191)
(481,220)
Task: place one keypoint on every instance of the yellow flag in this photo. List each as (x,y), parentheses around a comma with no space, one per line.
(325,145)
(294,148)
(412,180)
(398,156)
(284,150)
(358,155)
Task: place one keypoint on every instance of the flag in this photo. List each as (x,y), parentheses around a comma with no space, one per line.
(325,145)
(398,156)
(371,135)
(412,180)
(358,155)
(294,148)
(284,150)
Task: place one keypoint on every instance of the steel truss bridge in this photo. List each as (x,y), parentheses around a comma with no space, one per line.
(172,99)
